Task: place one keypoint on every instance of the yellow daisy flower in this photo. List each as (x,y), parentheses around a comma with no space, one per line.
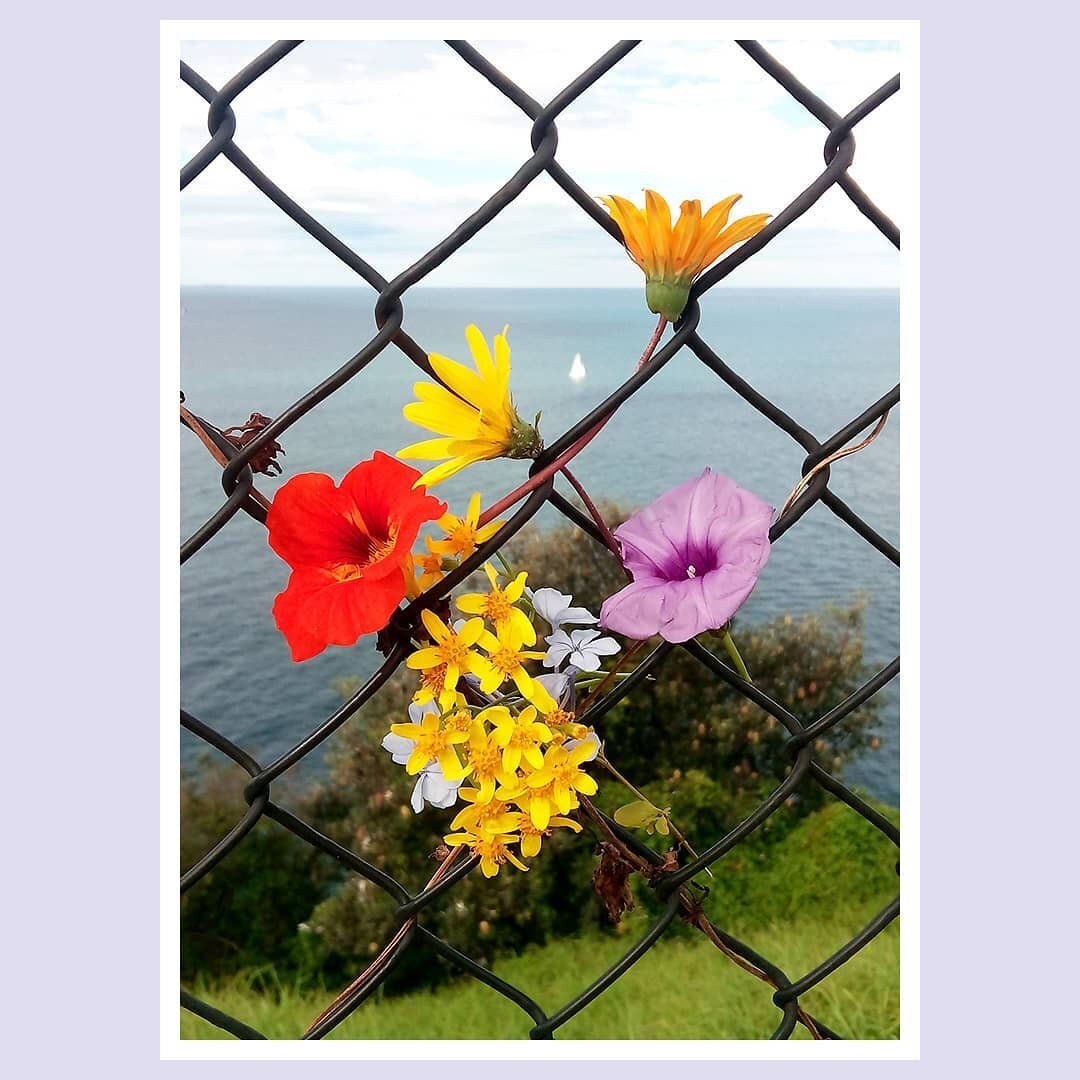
(493,849)
(561,770)
(506,660)
(672,256)
(532,837)
(433,743)
(498,607)
(463,533)
(454,651)
(475,416)
(520,737)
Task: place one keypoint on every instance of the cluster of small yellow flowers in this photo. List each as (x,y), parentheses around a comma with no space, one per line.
(439,557)
(521,757)
(453,652)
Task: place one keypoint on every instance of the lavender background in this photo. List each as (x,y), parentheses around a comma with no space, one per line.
(84,352)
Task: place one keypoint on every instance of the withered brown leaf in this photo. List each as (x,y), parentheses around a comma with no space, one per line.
(264,459)
(611,880)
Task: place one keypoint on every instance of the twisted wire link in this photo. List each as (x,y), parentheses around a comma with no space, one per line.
(237,483)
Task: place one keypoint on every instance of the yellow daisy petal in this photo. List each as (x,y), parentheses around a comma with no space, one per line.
(463,381)
(481,353)
(658,217)
(428,450)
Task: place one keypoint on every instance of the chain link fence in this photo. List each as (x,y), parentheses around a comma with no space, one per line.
(669,882)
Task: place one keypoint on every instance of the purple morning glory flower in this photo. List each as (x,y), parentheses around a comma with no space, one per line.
(695,555)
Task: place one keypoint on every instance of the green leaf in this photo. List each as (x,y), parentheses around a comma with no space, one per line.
(637,814)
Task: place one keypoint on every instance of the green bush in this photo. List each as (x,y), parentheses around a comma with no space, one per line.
(243,913)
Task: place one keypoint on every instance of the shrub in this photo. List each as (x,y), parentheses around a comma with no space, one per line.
(243,913)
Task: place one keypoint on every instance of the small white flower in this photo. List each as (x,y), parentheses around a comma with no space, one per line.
(582,648)
(592,739)
(558,684)
(554,608)
(433,787)
(397,746)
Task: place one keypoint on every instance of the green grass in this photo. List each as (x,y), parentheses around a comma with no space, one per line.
(683,989)
(795,903)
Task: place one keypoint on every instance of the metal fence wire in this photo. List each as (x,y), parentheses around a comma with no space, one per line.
(237,481)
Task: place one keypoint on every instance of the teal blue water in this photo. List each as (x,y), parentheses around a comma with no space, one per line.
(822,355)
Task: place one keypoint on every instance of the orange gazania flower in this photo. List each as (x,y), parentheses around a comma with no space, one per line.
(672,256)
(347,546)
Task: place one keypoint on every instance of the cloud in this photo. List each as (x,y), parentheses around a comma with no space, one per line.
(393,144)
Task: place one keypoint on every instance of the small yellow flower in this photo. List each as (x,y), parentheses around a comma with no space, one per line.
(431,684)
(493,849)
(463,533)
(480,816)
(672,257)
(458,718)
(430,564)
(412,582)
(506,660)
(520,737)
(452,649)
(485,754)
(475,416)
(498,607)
(433,743)
(564,725)
(532,837)
(561,770)
(537,803)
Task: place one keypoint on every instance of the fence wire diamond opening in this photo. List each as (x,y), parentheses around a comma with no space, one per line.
(670,884)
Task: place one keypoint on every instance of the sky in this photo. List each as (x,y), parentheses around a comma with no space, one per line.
(392,144)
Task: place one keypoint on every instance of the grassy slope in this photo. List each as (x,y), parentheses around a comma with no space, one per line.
(817,888)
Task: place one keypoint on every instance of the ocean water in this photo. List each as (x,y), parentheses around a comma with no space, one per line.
(821,355)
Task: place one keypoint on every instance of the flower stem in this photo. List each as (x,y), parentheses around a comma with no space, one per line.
(611,676)
(353,989)
(653,342)
(593,680)
(733,652)
(568,455)
(805,481)
(598,518)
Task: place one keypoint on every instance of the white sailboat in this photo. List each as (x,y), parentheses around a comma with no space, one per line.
(577,369)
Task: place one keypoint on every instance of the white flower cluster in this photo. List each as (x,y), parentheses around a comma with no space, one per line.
(581,650)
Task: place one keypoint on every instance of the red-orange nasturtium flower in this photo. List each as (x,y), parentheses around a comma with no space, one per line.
(348,547)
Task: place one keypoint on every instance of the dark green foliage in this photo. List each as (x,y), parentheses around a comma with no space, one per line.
(243,913)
